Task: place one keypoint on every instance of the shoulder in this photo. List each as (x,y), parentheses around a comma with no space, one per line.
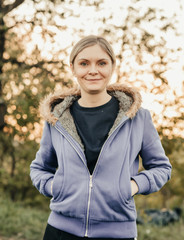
(143,115)
(142,112)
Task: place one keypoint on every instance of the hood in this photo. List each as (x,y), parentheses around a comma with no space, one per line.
(56,106)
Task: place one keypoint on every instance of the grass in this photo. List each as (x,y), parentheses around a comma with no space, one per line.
(20,222)
(172,231)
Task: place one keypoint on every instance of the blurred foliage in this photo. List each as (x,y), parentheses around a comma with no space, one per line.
(34,51)
(18,222)
(172,194)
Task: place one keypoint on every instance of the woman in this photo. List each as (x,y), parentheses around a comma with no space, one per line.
(89,153)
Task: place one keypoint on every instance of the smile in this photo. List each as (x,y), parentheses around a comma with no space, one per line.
(95,79)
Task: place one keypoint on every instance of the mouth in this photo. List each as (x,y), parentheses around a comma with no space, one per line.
(94,79)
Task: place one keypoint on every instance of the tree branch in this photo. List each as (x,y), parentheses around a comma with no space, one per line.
(28,66)
(8,8)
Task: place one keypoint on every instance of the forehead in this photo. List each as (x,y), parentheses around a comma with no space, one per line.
(93,52)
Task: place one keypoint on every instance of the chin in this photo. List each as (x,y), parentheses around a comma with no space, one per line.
(94,90)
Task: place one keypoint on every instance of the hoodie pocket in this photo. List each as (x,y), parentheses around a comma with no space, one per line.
(126,194)
(57,186)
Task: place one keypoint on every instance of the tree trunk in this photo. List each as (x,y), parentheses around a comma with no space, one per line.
(2,48)
(4,9)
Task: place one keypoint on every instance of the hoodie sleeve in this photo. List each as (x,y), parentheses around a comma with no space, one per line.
(157,166)
(43,168)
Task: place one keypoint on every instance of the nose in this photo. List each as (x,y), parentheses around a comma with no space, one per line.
(93,70)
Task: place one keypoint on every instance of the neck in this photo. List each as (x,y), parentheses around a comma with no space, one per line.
(94,100)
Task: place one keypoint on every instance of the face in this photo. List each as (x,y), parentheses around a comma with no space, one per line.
(93,69)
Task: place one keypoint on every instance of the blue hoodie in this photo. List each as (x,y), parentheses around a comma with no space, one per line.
(98,205)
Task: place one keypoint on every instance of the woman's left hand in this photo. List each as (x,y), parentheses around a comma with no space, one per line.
(134,187)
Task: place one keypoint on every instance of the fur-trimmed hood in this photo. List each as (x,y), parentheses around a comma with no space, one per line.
(56,106)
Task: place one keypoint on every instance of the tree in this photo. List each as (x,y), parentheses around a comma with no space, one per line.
(25,79)
(145,56)
(4,10)
(33,59)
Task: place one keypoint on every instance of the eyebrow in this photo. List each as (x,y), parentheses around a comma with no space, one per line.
(98,60)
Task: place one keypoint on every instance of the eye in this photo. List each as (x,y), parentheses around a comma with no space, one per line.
(102,63)
(83,64)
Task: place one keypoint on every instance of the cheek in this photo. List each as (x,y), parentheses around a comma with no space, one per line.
(80,72)
(107,73)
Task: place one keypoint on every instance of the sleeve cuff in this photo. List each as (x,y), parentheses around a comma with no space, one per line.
(143,183)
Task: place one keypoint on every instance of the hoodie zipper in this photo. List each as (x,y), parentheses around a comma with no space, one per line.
(91,176)
(89,200)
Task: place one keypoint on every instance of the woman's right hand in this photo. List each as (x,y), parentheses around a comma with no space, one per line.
(51,188)
(134,187)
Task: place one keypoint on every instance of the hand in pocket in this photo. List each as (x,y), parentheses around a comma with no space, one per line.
(134,187)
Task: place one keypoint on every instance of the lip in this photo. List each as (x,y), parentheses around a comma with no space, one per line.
(94,79)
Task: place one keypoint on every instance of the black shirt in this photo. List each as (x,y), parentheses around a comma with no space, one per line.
(93,125)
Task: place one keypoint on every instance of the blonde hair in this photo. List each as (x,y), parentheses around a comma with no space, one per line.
(90,41)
